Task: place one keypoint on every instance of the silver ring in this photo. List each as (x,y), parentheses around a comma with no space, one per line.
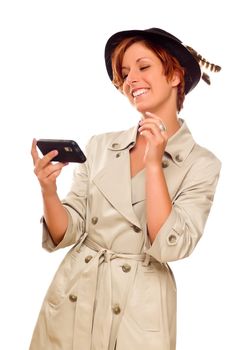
(162,127)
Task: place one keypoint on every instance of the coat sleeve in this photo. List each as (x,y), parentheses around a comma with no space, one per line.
(76,205)
(183,228)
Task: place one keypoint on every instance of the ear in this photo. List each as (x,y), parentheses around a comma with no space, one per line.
(175,79)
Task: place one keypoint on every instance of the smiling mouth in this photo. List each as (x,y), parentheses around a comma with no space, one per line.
(139,92)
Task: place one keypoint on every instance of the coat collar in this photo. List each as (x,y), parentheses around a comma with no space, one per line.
(124,139)
(114,180)
(178,146)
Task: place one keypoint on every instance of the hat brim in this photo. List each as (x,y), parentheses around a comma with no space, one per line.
(168,42)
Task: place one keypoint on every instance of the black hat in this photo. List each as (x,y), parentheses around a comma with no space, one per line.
(187,57)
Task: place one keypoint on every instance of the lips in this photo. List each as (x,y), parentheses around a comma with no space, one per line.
(139,92)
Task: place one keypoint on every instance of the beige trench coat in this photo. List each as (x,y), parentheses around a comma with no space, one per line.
(114,290)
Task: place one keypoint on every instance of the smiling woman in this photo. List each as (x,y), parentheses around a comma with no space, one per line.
(170,66)
(140,201)
(146,71)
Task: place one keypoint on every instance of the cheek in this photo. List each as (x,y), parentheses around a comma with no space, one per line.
(125,91)
(128,95)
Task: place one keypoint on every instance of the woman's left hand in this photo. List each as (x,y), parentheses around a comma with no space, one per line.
(156,138)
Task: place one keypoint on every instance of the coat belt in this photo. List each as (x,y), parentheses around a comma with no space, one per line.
(84,318)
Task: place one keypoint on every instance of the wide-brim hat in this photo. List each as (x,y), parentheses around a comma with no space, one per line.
(167,41)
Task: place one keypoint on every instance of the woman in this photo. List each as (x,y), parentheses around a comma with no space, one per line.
(140,200)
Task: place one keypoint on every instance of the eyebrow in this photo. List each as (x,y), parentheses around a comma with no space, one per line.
(138,60)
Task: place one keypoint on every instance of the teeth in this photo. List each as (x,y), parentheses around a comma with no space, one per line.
(139,92)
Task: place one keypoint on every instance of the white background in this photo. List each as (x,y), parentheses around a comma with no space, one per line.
(53,83)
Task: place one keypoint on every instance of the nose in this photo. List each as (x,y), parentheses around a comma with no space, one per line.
(131,78)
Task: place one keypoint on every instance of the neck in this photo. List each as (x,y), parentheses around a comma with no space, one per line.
(167,112)
(170,120)
(172,124)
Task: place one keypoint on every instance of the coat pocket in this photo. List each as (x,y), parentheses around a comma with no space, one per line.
(144,305)
(65,279)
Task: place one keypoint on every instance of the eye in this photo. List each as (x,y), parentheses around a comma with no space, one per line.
(144,67)
(124,76)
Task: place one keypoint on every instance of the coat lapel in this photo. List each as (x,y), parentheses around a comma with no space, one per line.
(114,180)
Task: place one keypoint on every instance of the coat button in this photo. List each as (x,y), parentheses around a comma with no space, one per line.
(73,298)
(94,220)
(165,163)
(136,229)
(116,309)
(115,145)
(172,239)
(178,158)
(88,258)
(118,155)
(126,267)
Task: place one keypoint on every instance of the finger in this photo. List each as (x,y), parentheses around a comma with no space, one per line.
(151,115)
(48,170)
(155,118)
(51,168)
(154,136)
(46,159)
(157,121)
(163,131)
(147,135)
(49,156)
(53,176)
(34,152)
(153,128)
(44,165)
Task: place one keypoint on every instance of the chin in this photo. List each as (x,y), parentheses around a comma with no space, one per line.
(142,108)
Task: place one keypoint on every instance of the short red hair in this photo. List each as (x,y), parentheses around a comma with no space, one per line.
(169,62)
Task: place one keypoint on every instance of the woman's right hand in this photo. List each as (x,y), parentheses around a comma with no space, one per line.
(46,171)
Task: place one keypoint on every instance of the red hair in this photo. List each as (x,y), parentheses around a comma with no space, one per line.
(170,65)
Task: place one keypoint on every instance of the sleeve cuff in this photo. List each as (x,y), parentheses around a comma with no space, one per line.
(167,238)
(71,235)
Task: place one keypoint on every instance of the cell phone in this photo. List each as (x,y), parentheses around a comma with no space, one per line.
(69,150)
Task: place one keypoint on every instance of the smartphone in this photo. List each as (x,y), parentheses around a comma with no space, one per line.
(69,150)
